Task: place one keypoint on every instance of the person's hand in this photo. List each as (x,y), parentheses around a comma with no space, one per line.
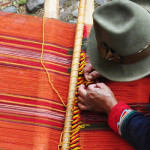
(96,97)
(89,73)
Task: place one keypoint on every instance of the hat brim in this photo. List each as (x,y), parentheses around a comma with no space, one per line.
(114,71)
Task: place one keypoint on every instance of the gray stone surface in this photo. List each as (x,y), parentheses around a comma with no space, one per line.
(66,13)
(61,2)
(73,21)
(33,5)
(40,2)
(75,13)
(101,2)
(11,9)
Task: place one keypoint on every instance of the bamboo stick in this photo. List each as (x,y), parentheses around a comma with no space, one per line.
(74,75)
(51,9)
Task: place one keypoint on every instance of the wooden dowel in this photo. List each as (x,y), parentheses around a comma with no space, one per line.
(74,75)
(89,12)
(51,9)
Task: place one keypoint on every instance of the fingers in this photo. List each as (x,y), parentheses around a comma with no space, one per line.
(89,73)
(82,91)
(82,106)
(93,75)
(91,87)
(103,86)
(80,100)
(87,70)
(100,85)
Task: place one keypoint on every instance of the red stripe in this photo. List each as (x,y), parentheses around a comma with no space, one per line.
(35,45)
(30,101)
(33,120)
(33,64)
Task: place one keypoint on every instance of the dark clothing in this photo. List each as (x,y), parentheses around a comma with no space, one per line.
(136,130)
(133,126)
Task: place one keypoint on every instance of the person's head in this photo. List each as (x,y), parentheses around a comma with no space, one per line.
(119,42)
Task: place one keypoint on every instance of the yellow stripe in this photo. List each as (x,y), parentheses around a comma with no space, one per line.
(32,59)
(25,116)
(50,108)
(27,122)
(33,67)
(31,98)
(28,41)
(22,46)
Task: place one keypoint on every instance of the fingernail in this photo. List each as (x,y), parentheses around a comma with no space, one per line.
(89,77)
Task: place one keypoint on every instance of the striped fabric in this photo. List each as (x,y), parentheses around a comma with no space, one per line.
(31,114)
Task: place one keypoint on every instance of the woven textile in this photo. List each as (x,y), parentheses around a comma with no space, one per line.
(31,114)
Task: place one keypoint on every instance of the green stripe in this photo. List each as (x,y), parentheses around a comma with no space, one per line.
(121,128)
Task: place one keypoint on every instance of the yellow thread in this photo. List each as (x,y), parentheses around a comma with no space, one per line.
(67,131)
(60,141)
(73,83)
(68,116)
(76,57)
(73,70)
(69,121)
(67,136)
(71,98)
(17,39)
(76,52)
(81,15)
(29,122)
(81,7)
(25,116)
(31,59)
(69,104)
(79,30)
(16,64)
(67,126)
(34,105)
(31,98)
(65,148)
(69,109)
(78,45)
(80,22)
(75,64)
(19,45)
(73,76)
(49,79)
(77,37)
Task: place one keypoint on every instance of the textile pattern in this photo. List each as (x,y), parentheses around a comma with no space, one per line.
(31,114)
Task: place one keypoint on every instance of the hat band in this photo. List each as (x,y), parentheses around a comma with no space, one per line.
(109,54)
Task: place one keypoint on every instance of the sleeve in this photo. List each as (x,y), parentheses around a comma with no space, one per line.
(131,125)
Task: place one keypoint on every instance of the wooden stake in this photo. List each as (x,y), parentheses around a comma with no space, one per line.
(74,76)
(51,9)
(89,12)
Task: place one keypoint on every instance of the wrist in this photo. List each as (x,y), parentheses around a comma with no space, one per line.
(115,114)
(110,106)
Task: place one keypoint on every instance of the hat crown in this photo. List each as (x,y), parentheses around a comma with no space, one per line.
(123,26)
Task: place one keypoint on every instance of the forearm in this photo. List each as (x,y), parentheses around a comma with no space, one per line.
(131,125)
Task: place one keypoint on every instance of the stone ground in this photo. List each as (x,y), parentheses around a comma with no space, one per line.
(68,9)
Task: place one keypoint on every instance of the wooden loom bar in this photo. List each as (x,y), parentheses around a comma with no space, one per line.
(51,9)
(89,12)
(73,76)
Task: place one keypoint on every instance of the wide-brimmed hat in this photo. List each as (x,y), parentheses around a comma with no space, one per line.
(144,3)
(119,41)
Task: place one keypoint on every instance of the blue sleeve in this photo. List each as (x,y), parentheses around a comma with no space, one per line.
(136,130)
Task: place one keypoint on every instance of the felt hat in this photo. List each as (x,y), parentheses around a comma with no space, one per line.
(144,3)
(119,41)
